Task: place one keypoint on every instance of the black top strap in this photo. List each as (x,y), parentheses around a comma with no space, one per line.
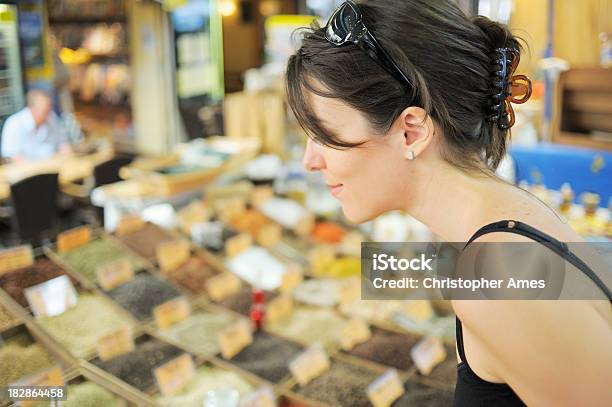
(512,226)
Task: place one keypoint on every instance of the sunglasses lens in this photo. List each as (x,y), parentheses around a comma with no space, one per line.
(341,24)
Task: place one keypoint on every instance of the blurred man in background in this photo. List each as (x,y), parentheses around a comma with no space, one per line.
(35,132)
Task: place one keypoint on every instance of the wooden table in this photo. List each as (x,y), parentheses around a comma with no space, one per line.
(70,169)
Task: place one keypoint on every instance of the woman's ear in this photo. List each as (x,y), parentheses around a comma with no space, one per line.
(418,131)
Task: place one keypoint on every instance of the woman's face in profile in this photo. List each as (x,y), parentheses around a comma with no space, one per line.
(368,180)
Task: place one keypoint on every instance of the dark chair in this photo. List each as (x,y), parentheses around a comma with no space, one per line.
(35,210)
(108,171)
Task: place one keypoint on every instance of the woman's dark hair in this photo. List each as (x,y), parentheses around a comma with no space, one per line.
(445,54)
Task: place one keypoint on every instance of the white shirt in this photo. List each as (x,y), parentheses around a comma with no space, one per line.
(20,137)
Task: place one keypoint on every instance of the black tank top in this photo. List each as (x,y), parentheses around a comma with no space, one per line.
(471,390)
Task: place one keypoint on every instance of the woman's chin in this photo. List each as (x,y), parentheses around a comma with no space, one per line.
(358,215)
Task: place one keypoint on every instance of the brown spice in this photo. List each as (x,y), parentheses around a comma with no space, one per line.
(387,348)
(192,275)
(144,241)
(16,281)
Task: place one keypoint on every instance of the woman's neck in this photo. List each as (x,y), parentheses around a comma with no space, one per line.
(453,203)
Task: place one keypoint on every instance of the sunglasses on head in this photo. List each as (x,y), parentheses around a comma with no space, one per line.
(346,26)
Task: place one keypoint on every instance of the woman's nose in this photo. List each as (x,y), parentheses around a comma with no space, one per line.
(313,157)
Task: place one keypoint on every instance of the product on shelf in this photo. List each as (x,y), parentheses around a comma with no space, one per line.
(242,301)
(211,235)
(136,368)
(89,394)
(343,385)
(19,359)
(16,281)
(319,292)
(198,333)
(267,357)
(6,318)
(567,198)
(417,394)
(205,379)
(192,275)
(263,230)
(446,372)
(86,259)
(372,310)
(258,267)
(79,328)
(143,293)
(308,325)
(144,241)
(328,232)
(387,348)
(86,8)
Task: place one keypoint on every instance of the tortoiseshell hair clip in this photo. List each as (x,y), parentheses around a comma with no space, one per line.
(507,87)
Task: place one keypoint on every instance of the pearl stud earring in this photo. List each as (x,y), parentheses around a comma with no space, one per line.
(410,155)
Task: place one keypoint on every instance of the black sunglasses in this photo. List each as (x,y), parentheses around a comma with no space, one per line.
(346,26)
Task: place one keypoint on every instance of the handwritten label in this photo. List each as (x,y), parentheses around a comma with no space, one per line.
(237,244)
(172,255)
(115,343)
(223,285)
(310,364)
(387,388)
(419,310)
(171,312)
(268,235)
(279,308)
(260,195)
(262,397)
(52,378)
(129,224)
(195,212)
(304,225)
(291,278)
(174,375)
(427,354)
(349,291)
(52,297)
(73,238)
(15,258)
(114,274)
(354,332)
(230,208)
(235,338)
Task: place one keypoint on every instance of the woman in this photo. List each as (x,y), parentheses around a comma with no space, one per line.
(407,104)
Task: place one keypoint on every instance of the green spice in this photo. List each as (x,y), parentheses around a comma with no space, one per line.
(206,378)
(198,333)
(343,385)
(86,259)
(88,394)
(79,328)
(308,325)
(19,360)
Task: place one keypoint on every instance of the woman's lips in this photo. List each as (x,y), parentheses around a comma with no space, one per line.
(335,189)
